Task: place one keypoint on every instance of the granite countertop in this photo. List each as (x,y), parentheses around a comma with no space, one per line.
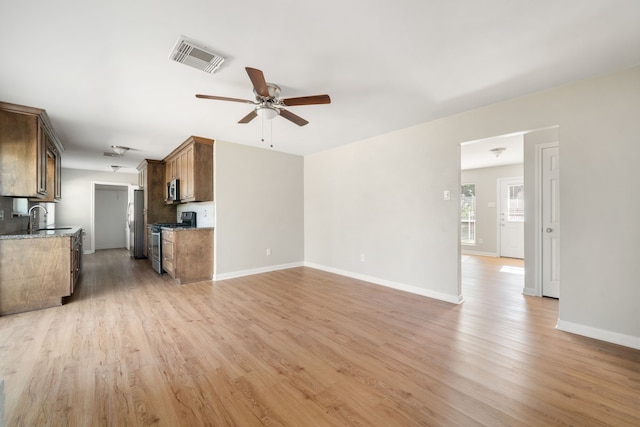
(50,231)
(185,228)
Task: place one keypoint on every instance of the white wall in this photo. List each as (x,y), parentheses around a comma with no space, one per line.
(486,182)
(75,206)
(383,197)
(111,218)
(259,205)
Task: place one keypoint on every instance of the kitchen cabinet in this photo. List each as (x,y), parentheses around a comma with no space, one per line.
(53,181)
(187,253)
(151,178)
(76,259)
(38,269)
(192,164)
(30,154)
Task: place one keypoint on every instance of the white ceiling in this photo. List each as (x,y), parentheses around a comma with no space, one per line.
(478,154)
(102,72)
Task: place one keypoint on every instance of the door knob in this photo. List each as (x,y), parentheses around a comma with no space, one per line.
(549,230)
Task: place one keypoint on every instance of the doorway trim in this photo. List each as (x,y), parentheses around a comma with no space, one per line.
(92,210)
(537,238)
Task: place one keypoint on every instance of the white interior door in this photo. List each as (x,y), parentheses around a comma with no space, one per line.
(512,218)
(550,222)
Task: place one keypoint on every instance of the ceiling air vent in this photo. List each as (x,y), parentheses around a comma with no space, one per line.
(193,54)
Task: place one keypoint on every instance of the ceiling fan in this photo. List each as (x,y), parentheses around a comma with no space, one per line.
(268,103)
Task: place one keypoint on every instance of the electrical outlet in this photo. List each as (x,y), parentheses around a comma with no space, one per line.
(268,251)
(362,257)
(1,215)
(447,195)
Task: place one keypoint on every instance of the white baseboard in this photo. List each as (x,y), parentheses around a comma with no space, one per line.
(390,284)
(478,253)
(252,271)
(599,334)
(530,291)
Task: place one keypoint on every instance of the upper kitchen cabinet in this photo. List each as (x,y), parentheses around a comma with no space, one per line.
(192,165)
(30,154)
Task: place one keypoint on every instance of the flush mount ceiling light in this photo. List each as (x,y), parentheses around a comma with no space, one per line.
(497,151)
(120,150)
(267,111)
(115,167)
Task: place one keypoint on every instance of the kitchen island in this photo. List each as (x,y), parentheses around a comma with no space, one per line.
(38,268)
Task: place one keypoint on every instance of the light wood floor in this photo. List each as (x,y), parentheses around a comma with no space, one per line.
(306,348)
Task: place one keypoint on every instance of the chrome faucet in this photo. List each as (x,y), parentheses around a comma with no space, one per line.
(30,226)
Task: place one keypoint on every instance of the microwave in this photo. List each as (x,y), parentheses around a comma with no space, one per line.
(173,190)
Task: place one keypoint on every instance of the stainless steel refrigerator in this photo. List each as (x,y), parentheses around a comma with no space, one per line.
(135,221)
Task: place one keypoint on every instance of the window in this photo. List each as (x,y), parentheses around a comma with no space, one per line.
(515,207)
(468,214)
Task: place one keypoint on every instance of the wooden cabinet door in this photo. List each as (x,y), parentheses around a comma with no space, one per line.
(57,191)
(76,259)
(186,174)
(53,184)
(41,159)
(167,171)
(142,178)
(168,253)
(171,170)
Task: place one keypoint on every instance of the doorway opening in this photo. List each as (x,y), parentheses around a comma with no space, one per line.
(109,201)
(539,216)
(492,210)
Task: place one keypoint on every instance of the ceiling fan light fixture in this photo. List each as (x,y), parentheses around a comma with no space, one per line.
(120,150)
(267,111)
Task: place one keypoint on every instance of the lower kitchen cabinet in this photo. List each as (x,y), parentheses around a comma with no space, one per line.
(187,253)
(38,269)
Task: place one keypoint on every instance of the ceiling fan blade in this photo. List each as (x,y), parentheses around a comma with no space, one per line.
(307,100)
(246,119)
(224,98)
(292,117)
(258,81)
